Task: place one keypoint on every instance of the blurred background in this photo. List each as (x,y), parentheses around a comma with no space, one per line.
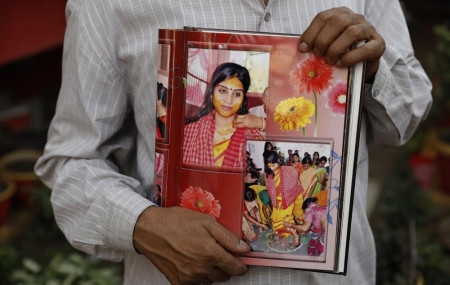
(409,195)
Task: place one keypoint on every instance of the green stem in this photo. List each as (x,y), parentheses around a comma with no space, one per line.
(316,114)
(304,131)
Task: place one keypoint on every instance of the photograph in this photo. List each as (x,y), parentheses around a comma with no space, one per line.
(159,185)
(162,93)
(286,197)
(223,86)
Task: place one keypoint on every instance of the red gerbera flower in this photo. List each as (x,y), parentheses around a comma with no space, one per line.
(337,99)
(197,199)
(311,74)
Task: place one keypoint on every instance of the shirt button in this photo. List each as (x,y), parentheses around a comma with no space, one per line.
(376,92)
(267,17)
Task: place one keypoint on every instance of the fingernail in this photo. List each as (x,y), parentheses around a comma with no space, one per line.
(244,245)
(303,47)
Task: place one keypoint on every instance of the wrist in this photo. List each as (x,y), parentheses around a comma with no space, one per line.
(263,125)
(143,224)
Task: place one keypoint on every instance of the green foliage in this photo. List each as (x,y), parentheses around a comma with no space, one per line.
(66,270)
(47,229)
(438,67)
(9,259)
(43,256)
(402,201)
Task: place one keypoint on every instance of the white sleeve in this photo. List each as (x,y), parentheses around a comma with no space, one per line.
(400,96)
(94,204)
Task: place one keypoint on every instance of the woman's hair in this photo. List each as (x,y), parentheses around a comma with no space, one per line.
(267,144)
(307,160)
(318,155)
(307,202)
(162,93)
(222,72)
(159,187)
(323,158)
(271,157)
(249,195)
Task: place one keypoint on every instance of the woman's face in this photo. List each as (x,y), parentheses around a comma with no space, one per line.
(316,155)
(295,158)
(228,96)
(269,147)
(306,166)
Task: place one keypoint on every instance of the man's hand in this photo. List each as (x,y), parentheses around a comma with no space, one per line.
(188,247)
(333,32)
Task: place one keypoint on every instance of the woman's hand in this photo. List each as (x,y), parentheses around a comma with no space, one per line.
(333,32)
(248,121)
(262,226)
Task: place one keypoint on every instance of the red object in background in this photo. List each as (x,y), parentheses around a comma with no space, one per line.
(16,119)
(441,141)
(18,167)
(4,210)
(28,27)
(25,192)
(422,168)
(444,166)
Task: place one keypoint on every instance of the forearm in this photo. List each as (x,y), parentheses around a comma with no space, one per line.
(94,206)
(251,219)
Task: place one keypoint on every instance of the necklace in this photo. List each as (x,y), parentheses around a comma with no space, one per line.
(223,134)
(225,131)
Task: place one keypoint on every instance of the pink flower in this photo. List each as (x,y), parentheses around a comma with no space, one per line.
(311,74)
(337,98)
(197,199)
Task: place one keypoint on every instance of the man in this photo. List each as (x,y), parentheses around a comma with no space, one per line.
(104,123)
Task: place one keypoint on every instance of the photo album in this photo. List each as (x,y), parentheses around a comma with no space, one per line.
(263,139)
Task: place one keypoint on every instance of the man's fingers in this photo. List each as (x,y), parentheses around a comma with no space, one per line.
(227,238)
(229,263)
(372,50)
(202,274)
(306,41)
(308,38)
(335,25)
(350,36)
(228,242)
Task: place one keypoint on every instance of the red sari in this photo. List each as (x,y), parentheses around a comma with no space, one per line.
(198,144)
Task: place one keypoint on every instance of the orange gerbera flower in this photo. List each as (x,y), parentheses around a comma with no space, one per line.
(311,74)
(197,199)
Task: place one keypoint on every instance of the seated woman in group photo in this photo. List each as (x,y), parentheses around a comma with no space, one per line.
(210,137)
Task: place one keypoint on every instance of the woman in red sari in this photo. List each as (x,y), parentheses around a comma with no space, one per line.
(283,188)
(210,137)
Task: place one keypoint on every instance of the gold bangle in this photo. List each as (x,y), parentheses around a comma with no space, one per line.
(263,128)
